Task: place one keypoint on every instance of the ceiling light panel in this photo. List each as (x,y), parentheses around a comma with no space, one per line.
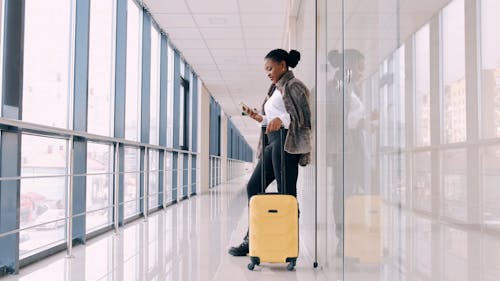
(225,43)
(262,32)
(228,52)
(263,20)
(217,20)
(263,6)
(213,6)
(268,44)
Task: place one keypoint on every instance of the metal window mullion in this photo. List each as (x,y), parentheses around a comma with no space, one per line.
(10,142)
(80,113)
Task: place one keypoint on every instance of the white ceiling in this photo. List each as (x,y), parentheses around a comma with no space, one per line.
(225,42)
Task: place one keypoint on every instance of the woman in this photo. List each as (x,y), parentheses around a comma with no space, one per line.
(286,105)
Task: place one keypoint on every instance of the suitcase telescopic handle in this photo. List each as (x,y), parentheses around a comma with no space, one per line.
(282,156)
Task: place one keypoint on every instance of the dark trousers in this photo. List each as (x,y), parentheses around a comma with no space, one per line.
(272,158)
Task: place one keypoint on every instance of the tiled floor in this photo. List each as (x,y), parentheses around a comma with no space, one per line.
(187,241)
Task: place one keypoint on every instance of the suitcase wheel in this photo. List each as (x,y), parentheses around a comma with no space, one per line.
(291,265)
(253,262)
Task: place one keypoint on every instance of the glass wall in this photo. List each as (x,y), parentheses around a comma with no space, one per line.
(490,70)
(405,100)
(47,64)
(154,131)
(153,179)
(101,68)
(133,86)
(454,87)
(170,98)
(44,190)
(104,170)
(422,87)
(131,181)
(99,187)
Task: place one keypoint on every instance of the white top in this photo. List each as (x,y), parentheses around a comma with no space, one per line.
(275,107)
(356,113)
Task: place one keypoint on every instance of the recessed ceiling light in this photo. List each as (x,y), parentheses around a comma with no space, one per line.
(217,21)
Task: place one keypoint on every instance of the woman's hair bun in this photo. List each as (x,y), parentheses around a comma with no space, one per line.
(293,58)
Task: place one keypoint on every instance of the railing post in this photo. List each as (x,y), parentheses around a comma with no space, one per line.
(69,205)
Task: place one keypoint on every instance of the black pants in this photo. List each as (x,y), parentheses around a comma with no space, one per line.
(272,158)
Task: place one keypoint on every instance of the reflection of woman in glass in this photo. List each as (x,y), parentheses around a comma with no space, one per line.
(348,134)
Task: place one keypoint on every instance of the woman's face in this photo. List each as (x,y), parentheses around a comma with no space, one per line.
(274,70)
(358,69)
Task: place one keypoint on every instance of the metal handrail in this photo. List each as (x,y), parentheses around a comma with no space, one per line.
(44,130)
(70,135)
(84,175)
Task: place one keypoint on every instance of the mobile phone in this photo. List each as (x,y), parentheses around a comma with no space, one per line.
(245,108)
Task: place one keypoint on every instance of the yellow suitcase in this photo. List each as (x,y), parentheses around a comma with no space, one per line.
(273,223)
(363,234)
(273,229)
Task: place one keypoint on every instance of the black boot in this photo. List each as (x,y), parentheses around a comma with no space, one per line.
(241,250)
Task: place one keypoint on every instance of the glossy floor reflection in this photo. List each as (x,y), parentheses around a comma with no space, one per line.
(187,241)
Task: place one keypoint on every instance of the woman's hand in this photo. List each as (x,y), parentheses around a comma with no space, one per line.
(254,115)
(274,125)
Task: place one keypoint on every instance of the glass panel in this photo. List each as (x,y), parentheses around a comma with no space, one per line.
(153,178)
(134,73)
(422,193)
(101,68)
(490,252)
(181,115)
(47,63)
(422,247)
(100,186)
(168,173)
(373,137)
(454,183)
(170,98)
(490,69)
(131,181)
(422,88)
(455,254)
(191,112)
(155,87)
(490,176)
(327,100)
(43,199)
(454,91)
